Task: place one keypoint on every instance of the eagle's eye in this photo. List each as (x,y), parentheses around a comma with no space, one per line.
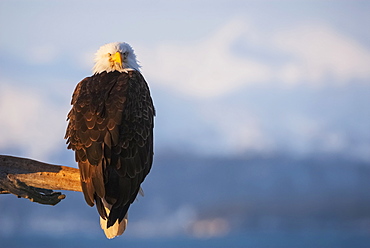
(109,54)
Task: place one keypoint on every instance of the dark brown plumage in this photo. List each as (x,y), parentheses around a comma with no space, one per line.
(111,131)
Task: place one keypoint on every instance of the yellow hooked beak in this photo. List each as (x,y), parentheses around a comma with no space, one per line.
(117,58)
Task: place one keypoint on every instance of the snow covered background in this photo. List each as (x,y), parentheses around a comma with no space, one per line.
(229,79)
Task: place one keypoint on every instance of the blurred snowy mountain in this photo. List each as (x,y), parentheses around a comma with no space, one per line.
(188,196)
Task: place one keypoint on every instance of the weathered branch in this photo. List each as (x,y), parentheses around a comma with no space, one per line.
(35,180)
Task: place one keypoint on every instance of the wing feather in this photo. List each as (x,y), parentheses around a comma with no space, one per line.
(111,131)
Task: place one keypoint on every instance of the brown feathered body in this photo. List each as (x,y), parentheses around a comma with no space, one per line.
(111,131)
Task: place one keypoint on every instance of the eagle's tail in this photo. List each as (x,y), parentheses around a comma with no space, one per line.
(117,229)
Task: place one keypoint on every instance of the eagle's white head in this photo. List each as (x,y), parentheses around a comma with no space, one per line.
(116,56)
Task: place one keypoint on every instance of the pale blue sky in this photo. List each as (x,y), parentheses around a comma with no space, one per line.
(228,77)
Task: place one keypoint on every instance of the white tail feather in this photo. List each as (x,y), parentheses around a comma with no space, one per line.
(117,228)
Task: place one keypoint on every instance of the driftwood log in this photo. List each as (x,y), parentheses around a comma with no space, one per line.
(36,180)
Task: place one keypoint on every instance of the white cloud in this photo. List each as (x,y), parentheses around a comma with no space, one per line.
(29,122)
(205,68)
(319,52)
(313,54)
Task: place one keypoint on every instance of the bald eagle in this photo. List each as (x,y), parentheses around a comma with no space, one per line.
(110,129)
